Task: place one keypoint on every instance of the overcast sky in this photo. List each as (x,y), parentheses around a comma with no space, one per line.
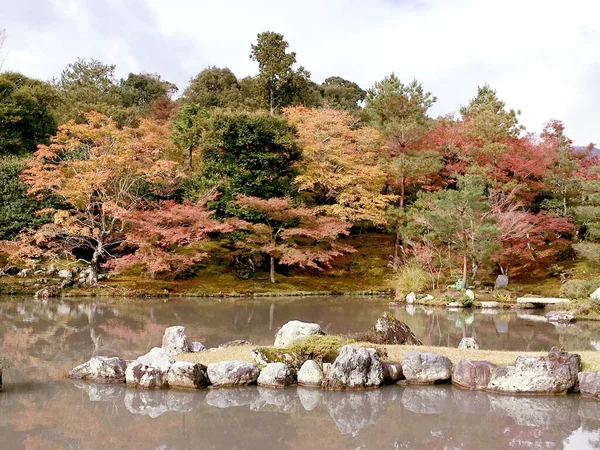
(543,57)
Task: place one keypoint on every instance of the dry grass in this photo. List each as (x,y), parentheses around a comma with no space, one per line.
(590,359)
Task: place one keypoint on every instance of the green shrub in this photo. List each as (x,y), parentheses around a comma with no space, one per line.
(411,278)
(466,301)
(579,289)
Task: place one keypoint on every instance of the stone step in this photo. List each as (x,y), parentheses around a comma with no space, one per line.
(542,300)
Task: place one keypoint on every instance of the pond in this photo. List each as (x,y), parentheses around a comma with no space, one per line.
(41,340)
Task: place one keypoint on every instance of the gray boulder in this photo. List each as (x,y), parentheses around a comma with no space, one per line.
(501,282)
(552,374)
(589,384)
(101,370)
(197,347)
(65,274)
(150,370)
(392,372)
(468,343)
(294,330)
(560,317)
(310,374)
(426,368)
(174,341)
(183,374)
(232,373)
(595,295)
(411,298)
(24,273)
(391,331)
(473,375)
(355,368)
(276,375)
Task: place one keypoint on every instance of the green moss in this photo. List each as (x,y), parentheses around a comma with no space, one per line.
(323,349)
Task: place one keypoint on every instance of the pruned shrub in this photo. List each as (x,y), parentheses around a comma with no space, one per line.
(411,278)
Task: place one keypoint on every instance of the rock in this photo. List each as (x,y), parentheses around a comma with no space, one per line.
(426,399)
(469,293)
(411,298)
(101,370)
(326,369)
(355,368)
(150,370)
(552,374)
(65,274)
(501,282)
(454,305)
(12,270)
(47,292)
(276,375)
(595,295)
(426,368)
(473,375)
(310,374)
(232,373)
(235,343)
(468,343)
(428,298)
(391,372)
(174,341)
(24,273)
(226,398)
(391,331)
(2,273)
(294,330)
(197,347)
(489,305)
(560,317)
(589,384)
(187,375)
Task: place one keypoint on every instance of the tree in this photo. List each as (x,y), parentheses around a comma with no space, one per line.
(98,170)
(140,91)
(188,128)
(279,83)
(293,235)
(214,87)
(339,170)
(339,93)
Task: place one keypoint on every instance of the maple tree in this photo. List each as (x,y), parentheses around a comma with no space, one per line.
(98,170)
(292,235)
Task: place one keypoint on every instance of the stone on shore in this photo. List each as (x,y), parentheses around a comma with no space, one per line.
(560,317)
(489,305)
(552,374)
(468,343)
(426,368)
(411,298)
(355,368)
(65,274)
(394,332)
(174,341)
(469,293)
(197,347)
(595,295)
(101,370)
(294,330)
(310,374)
(276,375)
(391,372)
(232,373)
(473,375)
(188,375)
(150,370)
(501,282)
(589,384)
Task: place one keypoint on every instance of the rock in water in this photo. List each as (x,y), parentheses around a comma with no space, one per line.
(276,375)
(468,343)
(552,374)
(589,384)
(101,370)
(294,330)
(174,341)
(197,347)
(355,368)
(426,368)
(411,298)
(310,374)
(187,375)
(392,331)
(392,372)
(232,373)
(560,317)
(501,282)
(472,374)
(150,370)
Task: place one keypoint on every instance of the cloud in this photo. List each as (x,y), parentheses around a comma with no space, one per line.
(541,56)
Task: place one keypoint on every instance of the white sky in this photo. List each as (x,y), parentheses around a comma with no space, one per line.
(542,56)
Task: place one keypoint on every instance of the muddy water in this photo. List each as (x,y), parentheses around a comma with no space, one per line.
(40,341)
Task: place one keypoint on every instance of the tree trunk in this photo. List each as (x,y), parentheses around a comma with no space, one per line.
(474,269)
(564,192)
(396,262)
(94,266)
(272,270)
(464,277)
(271,103)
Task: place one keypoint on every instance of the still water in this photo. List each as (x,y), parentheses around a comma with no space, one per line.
(39,408)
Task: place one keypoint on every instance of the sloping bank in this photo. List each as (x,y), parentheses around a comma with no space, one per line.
(303,355)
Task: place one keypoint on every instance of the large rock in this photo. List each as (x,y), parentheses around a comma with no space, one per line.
(501,282)
(391,372)
(150,370)
(391,331)
(189,375)
(468,343)
(174,341)
(101,370)
(589,384)
(552,374)
(560,317)
(473,375)
(355,368)
(469,293)
(232,373)
(310,374)
(426,368)
(65,274)
(596,295)
(276,375)
(411,298)
(294,330)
